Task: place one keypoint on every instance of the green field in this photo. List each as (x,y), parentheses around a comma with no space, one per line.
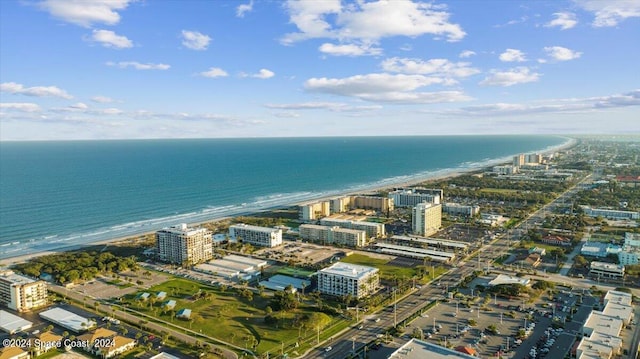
(227,316)
(388,271)
(499,190)
(295,272)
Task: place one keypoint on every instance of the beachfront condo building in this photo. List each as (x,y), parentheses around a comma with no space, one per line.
(381,204)
(256,236)
(426,219)
(21,293)
(313,211)
(457,209)
(183,245)
(409,197)
(348,279)
(333,235)
(372,229)
(505,170)
(340,204)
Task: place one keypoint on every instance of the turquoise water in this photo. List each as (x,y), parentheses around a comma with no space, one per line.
(54,194)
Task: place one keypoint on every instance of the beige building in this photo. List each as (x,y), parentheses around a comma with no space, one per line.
(180,244)
(21,293)
(426,219)
(382,204)
(333,235)
(341,204)
(372,229)
(106,343)
(313,211)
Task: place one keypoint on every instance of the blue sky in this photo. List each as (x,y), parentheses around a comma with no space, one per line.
(113,69)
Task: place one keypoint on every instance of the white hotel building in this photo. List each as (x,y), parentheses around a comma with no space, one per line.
(344,279)
(181,244)
(256,236)
(426,219)
(333,235)
(410,198)
(21,293)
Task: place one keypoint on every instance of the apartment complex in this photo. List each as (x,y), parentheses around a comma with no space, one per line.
(256,236)
(348,279)
(410,197)
(372,229)
(505,170)
(456,209)
(313,211)
(333,235)
(523,159)
(21,293)
(426,219)
(381,204)
(610,213)
(340,204)
(180,244)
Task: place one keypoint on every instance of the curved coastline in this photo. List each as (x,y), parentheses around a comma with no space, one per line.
(52,244)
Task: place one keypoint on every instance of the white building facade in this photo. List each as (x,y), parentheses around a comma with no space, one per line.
(333,235)
(255,235)
(457,209)
(348,279)
(410,198)
(372,229)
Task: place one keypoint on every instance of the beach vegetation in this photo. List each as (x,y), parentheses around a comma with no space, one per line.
(76,266)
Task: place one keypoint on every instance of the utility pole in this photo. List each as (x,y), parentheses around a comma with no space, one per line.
(395,307)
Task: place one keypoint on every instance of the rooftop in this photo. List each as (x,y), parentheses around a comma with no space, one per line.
(15,278)
(604,324)
(255,228)
(507,279)
(12,323)
(618,297)
(67,319)
(607,266)
(349,270)
(594,350)
(418,349)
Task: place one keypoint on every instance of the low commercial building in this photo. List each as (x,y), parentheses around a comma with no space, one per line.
(615,296)
(255,235)
(410,197)
(436,243)
(599,249)
(342,279)
(281,282)
(21,293)
(602,323)
(456,209)
(12,323)
(68,320)
(418,349)
(501,279)
(610,213)
(333,235)
(590,349)
(606,270)
(412,252)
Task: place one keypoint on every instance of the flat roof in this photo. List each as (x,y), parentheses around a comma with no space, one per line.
(607,266)
(593,349)
(617,310)
(434,241)
(255,228)
(605,324)
(418,349)
(242,267)
(285,280)
(241,259)
(164,355)
(618,297)
(67,319)
(12,323)
(349,270)
(508,279)
(15,278)
(430,252)
(212,268)
(614,342)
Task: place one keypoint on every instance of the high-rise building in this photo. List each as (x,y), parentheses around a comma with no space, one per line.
(182,245)
(340,204)
(312,211)
(348,279)
(256,236)
(533,158)
(409,198)
(381,204)
(426,219)
(518,160)
(457,209)
(21,293)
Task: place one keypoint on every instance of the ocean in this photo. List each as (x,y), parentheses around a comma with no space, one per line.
(58,194)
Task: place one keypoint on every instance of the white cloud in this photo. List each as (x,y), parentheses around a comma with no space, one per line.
(560,53)
(214,72)
(20,106)
(85,12)
(385,87)
(330,106)
(349,50)
(262,74)
(79,106)
(518,75)
(563,20)
(110,39)
(439,67)
(195,40)
(37,91)
(244,8)
(101,99)
(611,12)
(512,55)
(467,53)
(138,66)
(368,21)
(110,111)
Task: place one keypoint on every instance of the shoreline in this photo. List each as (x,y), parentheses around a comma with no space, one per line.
(430,176)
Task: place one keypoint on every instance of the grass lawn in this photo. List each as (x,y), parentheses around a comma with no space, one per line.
(548,247)
(295,272)
(388,271)
(226,315)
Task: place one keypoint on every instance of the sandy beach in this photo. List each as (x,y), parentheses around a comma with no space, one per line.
(371,190)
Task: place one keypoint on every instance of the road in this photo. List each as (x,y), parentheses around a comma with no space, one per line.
(352,340)
(183,335)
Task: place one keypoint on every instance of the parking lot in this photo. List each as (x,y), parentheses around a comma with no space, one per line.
(300,252)
(125,283)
